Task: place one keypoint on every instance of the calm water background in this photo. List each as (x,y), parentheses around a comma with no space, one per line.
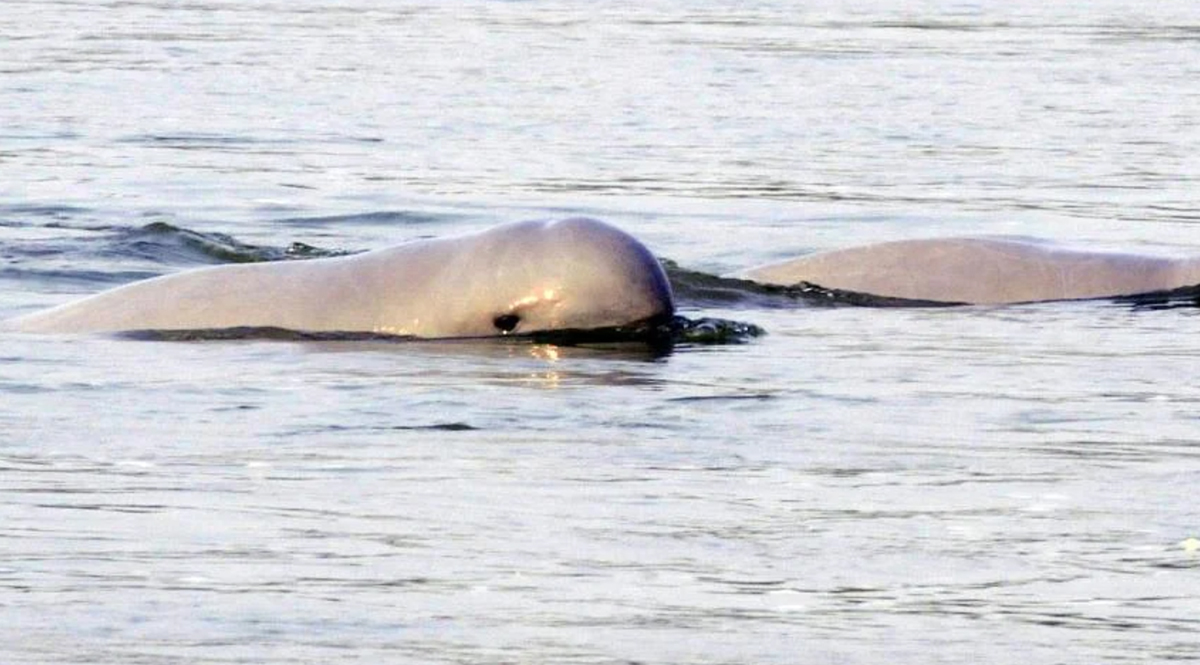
(862,486)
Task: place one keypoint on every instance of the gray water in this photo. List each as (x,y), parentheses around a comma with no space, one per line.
(861,485)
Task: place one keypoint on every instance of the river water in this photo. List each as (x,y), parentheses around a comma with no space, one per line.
(861,485)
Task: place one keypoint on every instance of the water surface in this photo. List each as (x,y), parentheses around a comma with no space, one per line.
(915,485)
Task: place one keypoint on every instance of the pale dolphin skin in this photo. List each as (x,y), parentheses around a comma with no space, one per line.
(982,271)
(511,279)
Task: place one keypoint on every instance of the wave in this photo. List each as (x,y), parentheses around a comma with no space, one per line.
(166,243)
(107,255)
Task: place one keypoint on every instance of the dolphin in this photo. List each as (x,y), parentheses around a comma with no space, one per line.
(526,277)
(982,271)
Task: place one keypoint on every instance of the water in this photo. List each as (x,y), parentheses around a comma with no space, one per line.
(913,485)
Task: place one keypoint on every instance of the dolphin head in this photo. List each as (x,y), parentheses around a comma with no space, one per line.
(570,274)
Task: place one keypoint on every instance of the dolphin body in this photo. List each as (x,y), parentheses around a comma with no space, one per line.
(572,274)
(982,271)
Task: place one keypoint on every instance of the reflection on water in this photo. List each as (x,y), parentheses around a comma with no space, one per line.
(427,502)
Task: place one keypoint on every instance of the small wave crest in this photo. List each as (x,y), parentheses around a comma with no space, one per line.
(86,257)
(166,243)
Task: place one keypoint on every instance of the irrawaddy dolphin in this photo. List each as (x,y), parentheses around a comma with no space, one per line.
(982,271)
(572,274)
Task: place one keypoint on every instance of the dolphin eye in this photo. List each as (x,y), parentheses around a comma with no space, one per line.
(506,323)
